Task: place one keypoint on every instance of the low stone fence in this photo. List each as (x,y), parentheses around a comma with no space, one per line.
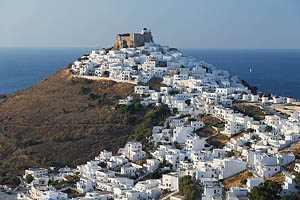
(95,78)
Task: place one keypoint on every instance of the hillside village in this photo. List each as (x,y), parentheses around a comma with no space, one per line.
(200,97)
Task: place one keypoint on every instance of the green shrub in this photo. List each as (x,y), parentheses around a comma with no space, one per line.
(265,191)
(173,92)
(250,130)
(187,187)
(102,164)
(10,180)
(244,181)
(229,154)
(153,118)
(69,66)
(268,129)
(28,178)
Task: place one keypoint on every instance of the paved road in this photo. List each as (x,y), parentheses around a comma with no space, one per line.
(270,110)
(4,196)
(141,177)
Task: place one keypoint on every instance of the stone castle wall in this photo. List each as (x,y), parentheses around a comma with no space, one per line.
(132,40)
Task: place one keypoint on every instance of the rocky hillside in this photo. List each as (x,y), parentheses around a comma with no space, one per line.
(63,120)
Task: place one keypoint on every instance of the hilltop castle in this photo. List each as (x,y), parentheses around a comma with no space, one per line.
(129,40)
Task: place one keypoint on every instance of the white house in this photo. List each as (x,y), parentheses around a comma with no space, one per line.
(84,185)
(197,124)
(149,187)
(228,167)
(252,182)
(180,134)
(297,167)
(36,172)
(289,185)
(213,190)
(128,170)
(171,181)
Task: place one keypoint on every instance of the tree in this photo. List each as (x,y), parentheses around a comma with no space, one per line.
(268,129)
(135,67)
(297,180)
(28,178)
(187,187)
(250,130)
(10,180)
(229,154)
(173,92)
(244,181)
(106,73)
(248,144)
(254,137)
(102,164)
(265,191)
(290,197)
(138,106)
(188,102)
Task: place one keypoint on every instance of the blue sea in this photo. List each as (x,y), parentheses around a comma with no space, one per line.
(273,71)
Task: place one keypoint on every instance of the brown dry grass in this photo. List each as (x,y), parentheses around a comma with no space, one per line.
(155,84)
(296,150)
(287,109)
(235,181)
(205,132)
(209,120)
(218,140)
(251,110)
(290,167)
(279,177)
(51,122)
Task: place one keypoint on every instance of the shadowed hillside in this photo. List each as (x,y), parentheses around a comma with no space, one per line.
(63,120)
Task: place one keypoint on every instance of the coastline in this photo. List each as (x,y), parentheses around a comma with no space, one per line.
(16,76)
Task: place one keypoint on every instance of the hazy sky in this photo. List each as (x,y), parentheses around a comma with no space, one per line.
(178,23)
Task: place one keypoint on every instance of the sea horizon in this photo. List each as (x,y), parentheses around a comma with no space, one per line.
(268,65)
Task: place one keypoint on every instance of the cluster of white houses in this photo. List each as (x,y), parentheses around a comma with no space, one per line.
(193,89)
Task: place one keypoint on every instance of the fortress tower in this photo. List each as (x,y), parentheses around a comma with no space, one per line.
(129,40)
